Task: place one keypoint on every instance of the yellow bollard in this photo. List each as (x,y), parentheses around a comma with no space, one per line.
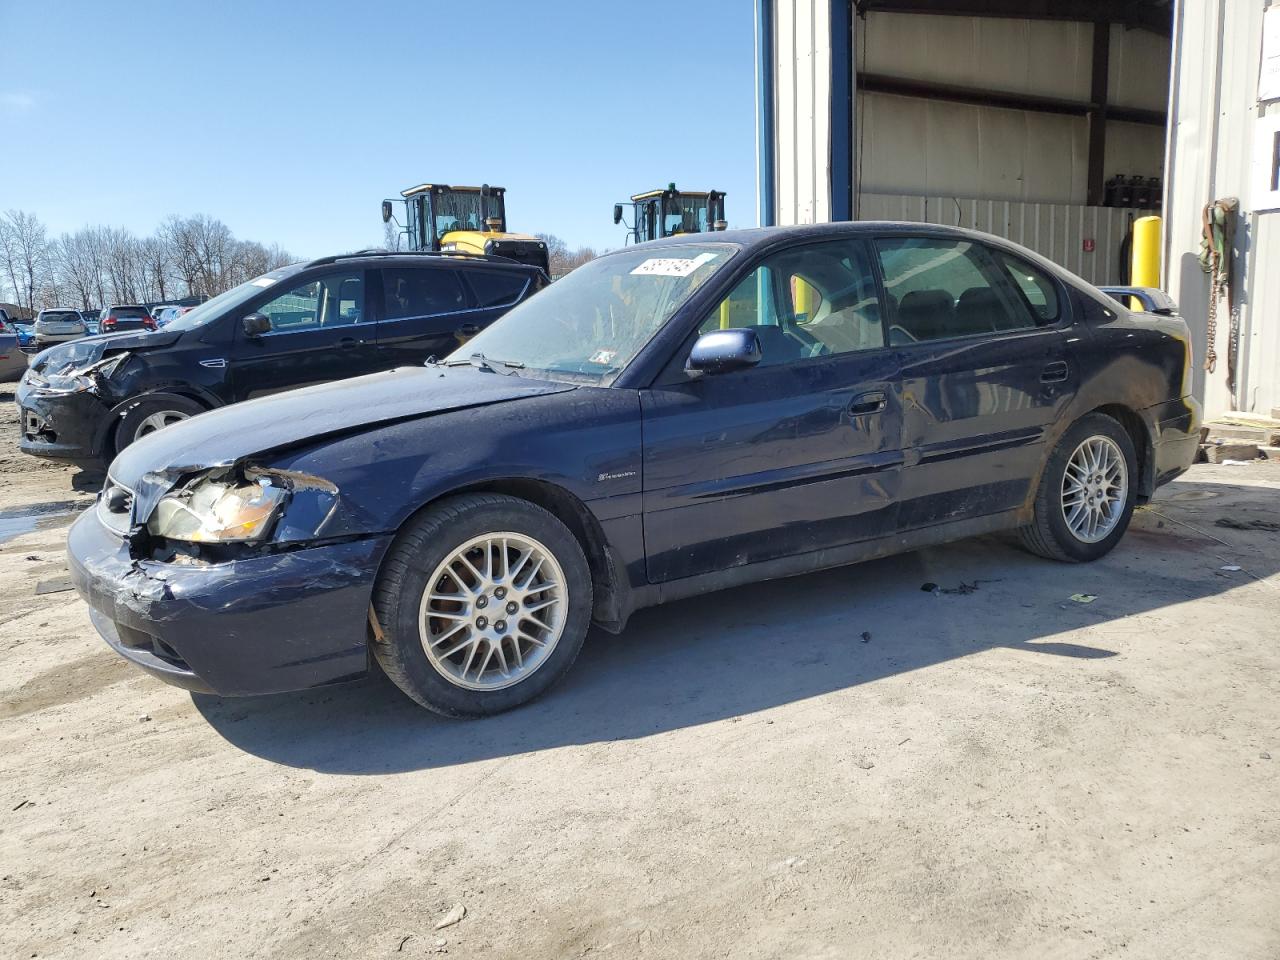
(1144,268)
(724,314)
(804,299)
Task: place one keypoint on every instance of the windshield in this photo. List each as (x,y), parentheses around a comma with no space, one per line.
(594,321)
(684,214)
(461,211)
(228,300)
(59,316)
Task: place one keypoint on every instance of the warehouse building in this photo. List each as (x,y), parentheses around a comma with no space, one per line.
(1055,123)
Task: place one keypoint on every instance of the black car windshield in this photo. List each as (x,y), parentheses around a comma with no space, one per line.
(590,324)
(228,300)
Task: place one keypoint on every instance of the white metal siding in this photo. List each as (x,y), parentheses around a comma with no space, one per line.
(802,79)
(1053,230)
(1217,45)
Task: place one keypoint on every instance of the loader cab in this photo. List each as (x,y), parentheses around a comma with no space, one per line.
(669,212)
(464,220)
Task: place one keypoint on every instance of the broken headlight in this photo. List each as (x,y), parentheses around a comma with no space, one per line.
(76,381)
(219,511)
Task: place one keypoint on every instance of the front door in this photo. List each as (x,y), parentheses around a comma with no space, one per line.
(319,332)
(795,455)
(986,369)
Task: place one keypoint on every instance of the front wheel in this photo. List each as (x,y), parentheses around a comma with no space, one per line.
(152,413)
(482,603)
(1086,494)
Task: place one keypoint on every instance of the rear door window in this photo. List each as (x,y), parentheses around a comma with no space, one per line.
(940,288)
(421,292)
(496,289)
(1037,286)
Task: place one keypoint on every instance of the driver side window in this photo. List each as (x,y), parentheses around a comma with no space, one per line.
(812,301)
(330,301)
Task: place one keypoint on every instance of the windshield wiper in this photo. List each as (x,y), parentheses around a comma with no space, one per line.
(480,361)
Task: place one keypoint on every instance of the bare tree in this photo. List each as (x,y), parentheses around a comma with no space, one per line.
(24,250)
(562,259)
(76,263)
(393,238)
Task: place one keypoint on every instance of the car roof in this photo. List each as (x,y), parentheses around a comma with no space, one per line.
(418,258)
(752,238)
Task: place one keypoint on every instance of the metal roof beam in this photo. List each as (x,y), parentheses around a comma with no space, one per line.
(1158,18)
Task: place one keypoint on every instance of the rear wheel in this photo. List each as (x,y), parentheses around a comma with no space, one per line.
(152,413)
(1087,493)
(483,603)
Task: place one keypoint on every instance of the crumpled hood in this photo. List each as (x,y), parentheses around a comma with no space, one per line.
(228,434)
(78,354)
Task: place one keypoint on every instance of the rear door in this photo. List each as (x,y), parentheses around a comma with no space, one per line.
(319,332)
(425,310)
(795,455)
(985,371)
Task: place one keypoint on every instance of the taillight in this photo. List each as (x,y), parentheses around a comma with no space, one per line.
(108,322)
(149,323)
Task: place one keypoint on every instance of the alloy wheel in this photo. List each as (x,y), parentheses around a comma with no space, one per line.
(493,611)
(158,421)
(1095,488)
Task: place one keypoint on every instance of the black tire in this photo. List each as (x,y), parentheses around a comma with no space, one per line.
(422,545)
(148,406)
(1048,534)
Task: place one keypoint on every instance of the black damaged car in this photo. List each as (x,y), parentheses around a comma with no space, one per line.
(669,419)
(335,317)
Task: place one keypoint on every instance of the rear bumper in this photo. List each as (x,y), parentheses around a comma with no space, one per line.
(1175,437)
(264,624)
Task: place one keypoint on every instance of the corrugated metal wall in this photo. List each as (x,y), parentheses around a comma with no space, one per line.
(908,145)
(1213,107)
(1057,231)
(911,145)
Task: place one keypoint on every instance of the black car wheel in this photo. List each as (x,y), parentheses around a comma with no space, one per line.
(1086,494)
(482,604)
(152,413)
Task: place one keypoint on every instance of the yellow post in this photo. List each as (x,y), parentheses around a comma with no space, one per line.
(803,298)
(1144,269)
(724,314)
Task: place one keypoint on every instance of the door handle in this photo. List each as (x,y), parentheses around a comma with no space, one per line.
(347,343)
(467,330)
(867,403)
(1055,372)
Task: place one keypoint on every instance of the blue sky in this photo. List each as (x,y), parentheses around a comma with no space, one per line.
(291,122)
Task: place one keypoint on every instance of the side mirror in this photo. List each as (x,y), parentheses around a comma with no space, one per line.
(723,351)
(617,213)
(256,324)
(386,211)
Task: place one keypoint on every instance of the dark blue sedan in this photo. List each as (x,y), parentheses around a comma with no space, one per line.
(669,419)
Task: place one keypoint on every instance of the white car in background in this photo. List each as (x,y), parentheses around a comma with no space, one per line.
(58,326)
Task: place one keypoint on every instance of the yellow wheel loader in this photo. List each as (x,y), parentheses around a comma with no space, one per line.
(464,220)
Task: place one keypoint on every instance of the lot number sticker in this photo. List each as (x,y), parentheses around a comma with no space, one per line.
(671,266)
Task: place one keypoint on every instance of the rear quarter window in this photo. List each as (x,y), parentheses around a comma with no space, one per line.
(496,289)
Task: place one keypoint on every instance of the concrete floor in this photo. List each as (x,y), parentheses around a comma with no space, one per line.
(1002,773)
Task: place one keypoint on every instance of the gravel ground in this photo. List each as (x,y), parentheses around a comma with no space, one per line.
(997,772)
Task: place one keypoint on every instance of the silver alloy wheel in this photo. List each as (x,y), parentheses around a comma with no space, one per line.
(158,421)
(493,611)
(1095,488)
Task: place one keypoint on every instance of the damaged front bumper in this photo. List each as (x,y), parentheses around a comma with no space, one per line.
(64,426)
(262,624)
